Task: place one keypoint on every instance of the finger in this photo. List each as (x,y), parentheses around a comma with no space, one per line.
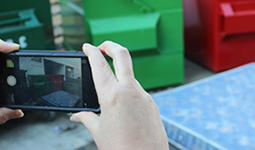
(121,59)
(8,47)
(88,119)
(101,71)
(7,114)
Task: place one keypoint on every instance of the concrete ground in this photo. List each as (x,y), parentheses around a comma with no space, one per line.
(54,131)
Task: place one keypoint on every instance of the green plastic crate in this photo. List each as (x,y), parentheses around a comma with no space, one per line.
(152,30)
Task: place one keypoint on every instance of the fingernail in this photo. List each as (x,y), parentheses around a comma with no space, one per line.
(74,118)
(18,114)
(14,44)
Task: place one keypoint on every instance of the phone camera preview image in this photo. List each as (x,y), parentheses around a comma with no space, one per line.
(44,82)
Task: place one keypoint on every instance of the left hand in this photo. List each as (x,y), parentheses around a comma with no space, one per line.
(8,47)
(6,113)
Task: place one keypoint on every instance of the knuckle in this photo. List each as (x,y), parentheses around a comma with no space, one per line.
(123,51)
(119,48)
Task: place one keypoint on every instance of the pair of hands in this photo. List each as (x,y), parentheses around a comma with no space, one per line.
(129,117)
(6,113)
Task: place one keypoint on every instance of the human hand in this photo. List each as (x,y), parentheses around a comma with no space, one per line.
(129,117)
(6,113)
(8,47)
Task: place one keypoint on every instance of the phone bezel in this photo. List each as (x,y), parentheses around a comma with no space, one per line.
(88,90)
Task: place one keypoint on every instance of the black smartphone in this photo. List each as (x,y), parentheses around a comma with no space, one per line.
(47,80)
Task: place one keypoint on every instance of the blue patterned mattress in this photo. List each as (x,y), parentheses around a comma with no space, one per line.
(61,99)
(215,113)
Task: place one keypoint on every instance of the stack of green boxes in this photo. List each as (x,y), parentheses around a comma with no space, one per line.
(152,30)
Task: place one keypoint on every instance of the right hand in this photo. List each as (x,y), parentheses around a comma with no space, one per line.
(129,117)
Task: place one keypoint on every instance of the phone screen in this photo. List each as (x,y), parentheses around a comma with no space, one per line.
(46,82)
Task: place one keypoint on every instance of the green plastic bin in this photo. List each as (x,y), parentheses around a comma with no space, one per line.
(40,84)
(152,30)
(22,27)
(30,37)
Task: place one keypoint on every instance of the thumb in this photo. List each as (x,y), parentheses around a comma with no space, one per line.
(8,47)
(88,119)
(7,114)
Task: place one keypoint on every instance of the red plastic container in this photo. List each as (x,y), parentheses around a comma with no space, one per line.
(220,34)
(56,82)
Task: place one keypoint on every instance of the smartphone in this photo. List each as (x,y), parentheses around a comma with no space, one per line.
(47,80)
